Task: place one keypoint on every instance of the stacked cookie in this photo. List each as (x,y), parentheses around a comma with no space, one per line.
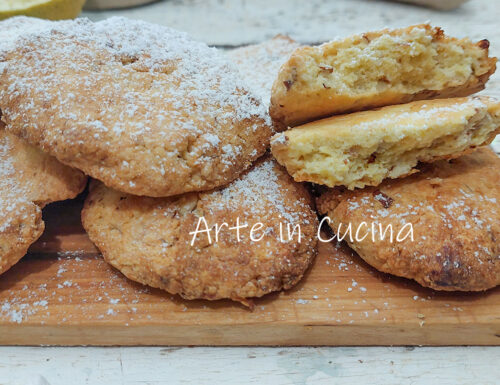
(174,139)
(424,132)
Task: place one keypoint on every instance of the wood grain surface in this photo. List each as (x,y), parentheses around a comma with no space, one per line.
(63,293)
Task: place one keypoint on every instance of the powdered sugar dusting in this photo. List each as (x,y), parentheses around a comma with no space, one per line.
(452,209)
(259,64)
(12,193)
(11,29)
(129,84)
(199,71)
(423,118)
(261,190)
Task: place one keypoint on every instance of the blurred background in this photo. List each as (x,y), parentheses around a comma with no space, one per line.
(237,22)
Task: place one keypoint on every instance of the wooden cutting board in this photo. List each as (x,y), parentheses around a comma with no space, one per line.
(63,293)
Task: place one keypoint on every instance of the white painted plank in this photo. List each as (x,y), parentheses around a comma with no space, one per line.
(140,366)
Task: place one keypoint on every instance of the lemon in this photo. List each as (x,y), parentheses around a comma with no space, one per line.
(44,9)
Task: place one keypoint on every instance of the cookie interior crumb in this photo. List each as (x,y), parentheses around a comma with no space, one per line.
(364,148)
(377,69)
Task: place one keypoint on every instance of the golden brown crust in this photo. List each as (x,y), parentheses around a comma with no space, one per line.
(148,239)
(453,208)
(44,179)
(143,108)
(20,225)
(29,179)
(298,96)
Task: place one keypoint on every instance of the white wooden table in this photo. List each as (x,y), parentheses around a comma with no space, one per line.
(277,366)
(230,23)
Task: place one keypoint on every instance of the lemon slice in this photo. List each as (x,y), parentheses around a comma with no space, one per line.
(44,9)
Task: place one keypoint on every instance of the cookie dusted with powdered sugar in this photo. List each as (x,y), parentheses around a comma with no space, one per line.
(143,108)
(29,179)
(453,209)
(150,240)
(259,64)
(20,225)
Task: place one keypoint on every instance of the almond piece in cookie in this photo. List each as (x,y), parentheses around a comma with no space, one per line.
(376,69)
(363,148)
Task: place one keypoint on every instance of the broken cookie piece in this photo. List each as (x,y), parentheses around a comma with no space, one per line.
(363,148)
(377,69)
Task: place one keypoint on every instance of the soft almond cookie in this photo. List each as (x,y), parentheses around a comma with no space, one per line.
(363,148)
(152,240)
(259,64)
(143,108)
(452,207)
(20,225)
(377,69)
(29,179)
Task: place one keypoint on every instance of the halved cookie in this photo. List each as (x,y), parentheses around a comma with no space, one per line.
(452,209)
(377,69)
(363,148)
(152,240)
